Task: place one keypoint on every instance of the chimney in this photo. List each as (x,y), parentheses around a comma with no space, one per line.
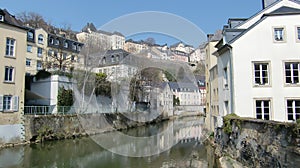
(267,3)
(209,37)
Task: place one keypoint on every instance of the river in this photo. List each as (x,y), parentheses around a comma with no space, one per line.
(176,143)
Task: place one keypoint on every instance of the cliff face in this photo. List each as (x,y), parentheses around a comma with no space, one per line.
(257,143)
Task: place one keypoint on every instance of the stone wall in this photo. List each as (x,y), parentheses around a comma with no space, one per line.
(51,127)
(257,143)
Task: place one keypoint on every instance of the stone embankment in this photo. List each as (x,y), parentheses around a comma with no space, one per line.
(55,127)
(258,143)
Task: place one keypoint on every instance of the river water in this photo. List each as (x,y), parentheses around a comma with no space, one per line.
(181,147)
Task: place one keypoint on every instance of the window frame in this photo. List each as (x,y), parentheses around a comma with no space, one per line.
(284,35)
(40,39)
(269,79)
(39,54)
(294,107)
(13,103)
(292,76)
(7,103)
(29,48)
(28,62)
(37,65)
(11,75)
(297,33)
(10,49)
(263,108)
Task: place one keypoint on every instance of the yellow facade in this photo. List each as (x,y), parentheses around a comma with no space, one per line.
(15,87)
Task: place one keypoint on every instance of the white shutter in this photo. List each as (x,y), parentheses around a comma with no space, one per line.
(1,102)
(15,103)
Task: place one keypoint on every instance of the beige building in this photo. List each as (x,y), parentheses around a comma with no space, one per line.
(211,73)
(106,40)
(50,51)
(135,47)
(12,78)
(36,50)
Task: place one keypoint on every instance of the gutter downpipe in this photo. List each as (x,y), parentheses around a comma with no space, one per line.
(231,80)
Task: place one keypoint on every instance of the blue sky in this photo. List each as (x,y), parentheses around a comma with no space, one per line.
(206,15)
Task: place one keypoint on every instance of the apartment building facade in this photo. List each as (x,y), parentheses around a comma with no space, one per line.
(259,66)
(12,78)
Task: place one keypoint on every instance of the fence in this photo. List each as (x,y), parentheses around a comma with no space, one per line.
(49,110)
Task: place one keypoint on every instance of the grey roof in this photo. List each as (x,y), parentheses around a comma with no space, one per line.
(92,27)
(285,10)
(11,19)
(181,85)
(89,26)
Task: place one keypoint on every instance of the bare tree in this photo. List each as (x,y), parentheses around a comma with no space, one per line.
(150,41)
(33,20)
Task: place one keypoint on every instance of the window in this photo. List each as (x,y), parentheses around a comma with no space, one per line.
(28,62)
(261,74)
(117,58)
(40,39)
(293,109)
(66,44)
(64,56)
(51,40)
(39,52)
(225,78)
(279,34)
(50,53)
(9,103)
(55,54)
(1,18)
(104,60)
(112,58)
(298,33)
(29,48)
(72,58)
(262,109)
(10,47)
(226,107)
(39,65)
(9,74)
(56,42)
(292,70)
(74,46)
(30,35)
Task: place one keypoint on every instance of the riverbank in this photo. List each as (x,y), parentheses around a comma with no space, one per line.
(40,128)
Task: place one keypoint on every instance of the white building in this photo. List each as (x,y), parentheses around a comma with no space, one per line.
(259,64)
(188,93)
(166,100)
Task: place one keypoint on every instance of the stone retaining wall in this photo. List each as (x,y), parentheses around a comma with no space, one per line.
(51,127)
(257,143)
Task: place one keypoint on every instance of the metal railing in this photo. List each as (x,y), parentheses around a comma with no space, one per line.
(49,110)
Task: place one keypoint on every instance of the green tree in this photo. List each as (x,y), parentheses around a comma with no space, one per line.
(64,98)
(102,87)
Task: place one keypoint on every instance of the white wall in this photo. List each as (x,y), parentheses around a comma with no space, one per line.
(258,45)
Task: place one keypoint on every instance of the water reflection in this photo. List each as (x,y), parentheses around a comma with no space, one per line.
(85,152)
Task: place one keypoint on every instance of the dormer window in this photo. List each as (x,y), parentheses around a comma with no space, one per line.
(66,44)
(112,58)
(29,35)
(51,40)
(56,42)
(104,60)
(40,39)
(1,18)
(74,46)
